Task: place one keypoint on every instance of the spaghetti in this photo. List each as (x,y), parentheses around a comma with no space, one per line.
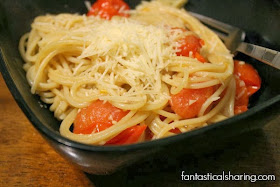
(130,62)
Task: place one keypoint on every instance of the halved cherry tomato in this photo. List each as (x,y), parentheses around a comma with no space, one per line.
(240,109)
(176,131)
(162,118)
(97,117)
(249,75)
(191,44)
(148,134)
(128,136)
(108,8)
(248,82)
(241,96)
(188,102)
(199,57)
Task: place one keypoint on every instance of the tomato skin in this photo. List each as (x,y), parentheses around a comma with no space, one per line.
(249,75)
(175,131)
(191,44)
(240,109)
(180,103)
(97,117)
(108,8)
(248,82)
(199,57)
(148,134)
(241,96)
(128,136)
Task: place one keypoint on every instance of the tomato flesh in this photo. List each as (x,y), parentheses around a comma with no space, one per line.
(108,8)
(188,102)
(241,96)
(248,82)
(191,45)
(128,136)
(97,117)
(249,75)
(175,131)
(240,109)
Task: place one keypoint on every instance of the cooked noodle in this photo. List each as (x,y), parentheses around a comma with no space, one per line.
(72,60)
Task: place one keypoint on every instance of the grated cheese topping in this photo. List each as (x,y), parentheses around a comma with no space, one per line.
(123,50)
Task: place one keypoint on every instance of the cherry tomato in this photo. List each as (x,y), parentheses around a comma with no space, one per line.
(176,131)
(249,75)
(128,136)
(97,117)
(248,82)
(240,109)
(188,102)
(148,134)
(241,96)
(108,8)
(191,44)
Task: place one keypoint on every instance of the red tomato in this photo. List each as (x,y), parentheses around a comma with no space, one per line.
(176,131)
(97,117)
(148,134)
(191,44)
(248,82)
(128,136)
(249,75)
(108,8)
(241,96)
(182,105)
(162,118)
(240,109)
(199,57)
